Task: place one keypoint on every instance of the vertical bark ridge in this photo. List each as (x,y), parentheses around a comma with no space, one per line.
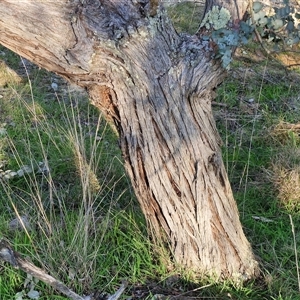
(184,135)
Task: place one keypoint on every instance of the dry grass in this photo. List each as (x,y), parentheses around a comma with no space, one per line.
(287,183)
(286,133)
(8,76)
(284,172)
(290,58)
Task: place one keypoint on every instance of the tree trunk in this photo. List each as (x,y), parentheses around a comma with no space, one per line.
(156,88)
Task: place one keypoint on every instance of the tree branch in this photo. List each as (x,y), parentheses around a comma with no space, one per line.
(14,258)
(8,254)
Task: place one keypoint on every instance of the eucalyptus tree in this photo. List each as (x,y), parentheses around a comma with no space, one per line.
(155,87)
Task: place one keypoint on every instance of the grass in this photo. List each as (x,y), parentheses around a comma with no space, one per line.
(257,150)
(85,225)
(179,14)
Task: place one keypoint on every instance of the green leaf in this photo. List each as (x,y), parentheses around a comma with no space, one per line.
(263,21)
(289,41)
(258,16)
(290,26)
(244,40)
(226,58)
(287,10)
(277,23)
(257,6)
(246,28)
(296,40)
(281,12)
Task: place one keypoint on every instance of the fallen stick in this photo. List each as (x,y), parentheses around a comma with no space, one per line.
(118,293)
(14,258)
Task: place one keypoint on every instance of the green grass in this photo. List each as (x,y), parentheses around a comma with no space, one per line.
(251,153)
(86,227)
(179,14)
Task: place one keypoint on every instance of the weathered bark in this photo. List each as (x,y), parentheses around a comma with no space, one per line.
(156,87)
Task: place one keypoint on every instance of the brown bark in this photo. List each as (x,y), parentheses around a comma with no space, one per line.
(156,87)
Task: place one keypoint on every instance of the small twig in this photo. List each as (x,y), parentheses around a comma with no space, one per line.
(257,34)
(293,65)
(214,103)
(118,293)
(14,258)
(295,250)
(194,290)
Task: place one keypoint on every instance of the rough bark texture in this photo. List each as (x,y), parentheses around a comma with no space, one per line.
(156,87)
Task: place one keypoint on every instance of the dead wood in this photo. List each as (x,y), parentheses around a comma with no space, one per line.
(8,254)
